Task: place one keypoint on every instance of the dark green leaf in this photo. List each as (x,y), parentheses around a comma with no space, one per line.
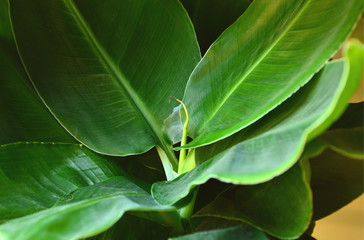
(34,176)
(240,232)
(134,228)
(107,69)
(267,148)
(23,115)
(264,57)
(281,207)
(67,192)
(336,180)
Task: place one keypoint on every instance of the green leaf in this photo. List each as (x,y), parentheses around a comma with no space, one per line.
(336,180)
(264,57)
(23,115)
(5,30)
(34,176)
(267,148)
(354,55)
(75,195)
(348,142)
(134,228)
(281,207)
(211,17)
(240,232)
(108,79)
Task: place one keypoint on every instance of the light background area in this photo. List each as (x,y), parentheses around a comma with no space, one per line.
(345,224)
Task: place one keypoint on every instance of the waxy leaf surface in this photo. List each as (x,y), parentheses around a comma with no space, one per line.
(281,207)
(63,191)
(273,49)
(267,148)
(23,115)
(106,69)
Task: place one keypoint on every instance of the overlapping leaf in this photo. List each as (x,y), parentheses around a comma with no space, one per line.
(107,69)
(62,191)
(281,207)
(23,115)
(239,232)
(211,17)
(336,180)
(263,58)
(267,148)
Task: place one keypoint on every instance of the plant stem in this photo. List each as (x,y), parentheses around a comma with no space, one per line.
(182,154)
(187,210)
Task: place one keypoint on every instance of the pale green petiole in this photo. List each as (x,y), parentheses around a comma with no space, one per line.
(182,155)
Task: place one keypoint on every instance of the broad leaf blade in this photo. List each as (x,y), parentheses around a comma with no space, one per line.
(263,58)
(75,195)
(34,176)
(134,228)
(23,115)
(336,180)
(108,79)
(240,232)
(267,148)
(281,207)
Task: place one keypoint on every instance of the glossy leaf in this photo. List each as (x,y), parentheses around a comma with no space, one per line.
(336,181)
(267,148)
(240,232)
(34,176)
(23,115)
(75,195)
(354,55)
(264,57)
(281,207)
(211,17)
(108,79)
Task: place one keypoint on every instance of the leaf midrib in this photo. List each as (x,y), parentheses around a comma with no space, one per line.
(257,62)
(117,74)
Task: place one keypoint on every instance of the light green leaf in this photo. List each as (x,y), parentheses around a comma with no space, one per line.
(336,180)
(281,207)
(211,17)
(238,81)
(240,232)
(354,55)
(107,69)
(23,115)
(267,148)
(76,194)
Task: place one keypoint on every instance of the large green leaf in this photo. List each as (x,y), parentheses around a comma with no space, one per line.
(336,180)
(239,232)
(281,207)
(267,148)
(107,69)
(23,115)
(34,176)
(211,17)
(134,228)
(66,192)
(264,57)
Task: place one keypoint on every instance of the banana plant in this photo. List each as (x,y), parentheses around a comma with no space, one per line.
(167,119)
